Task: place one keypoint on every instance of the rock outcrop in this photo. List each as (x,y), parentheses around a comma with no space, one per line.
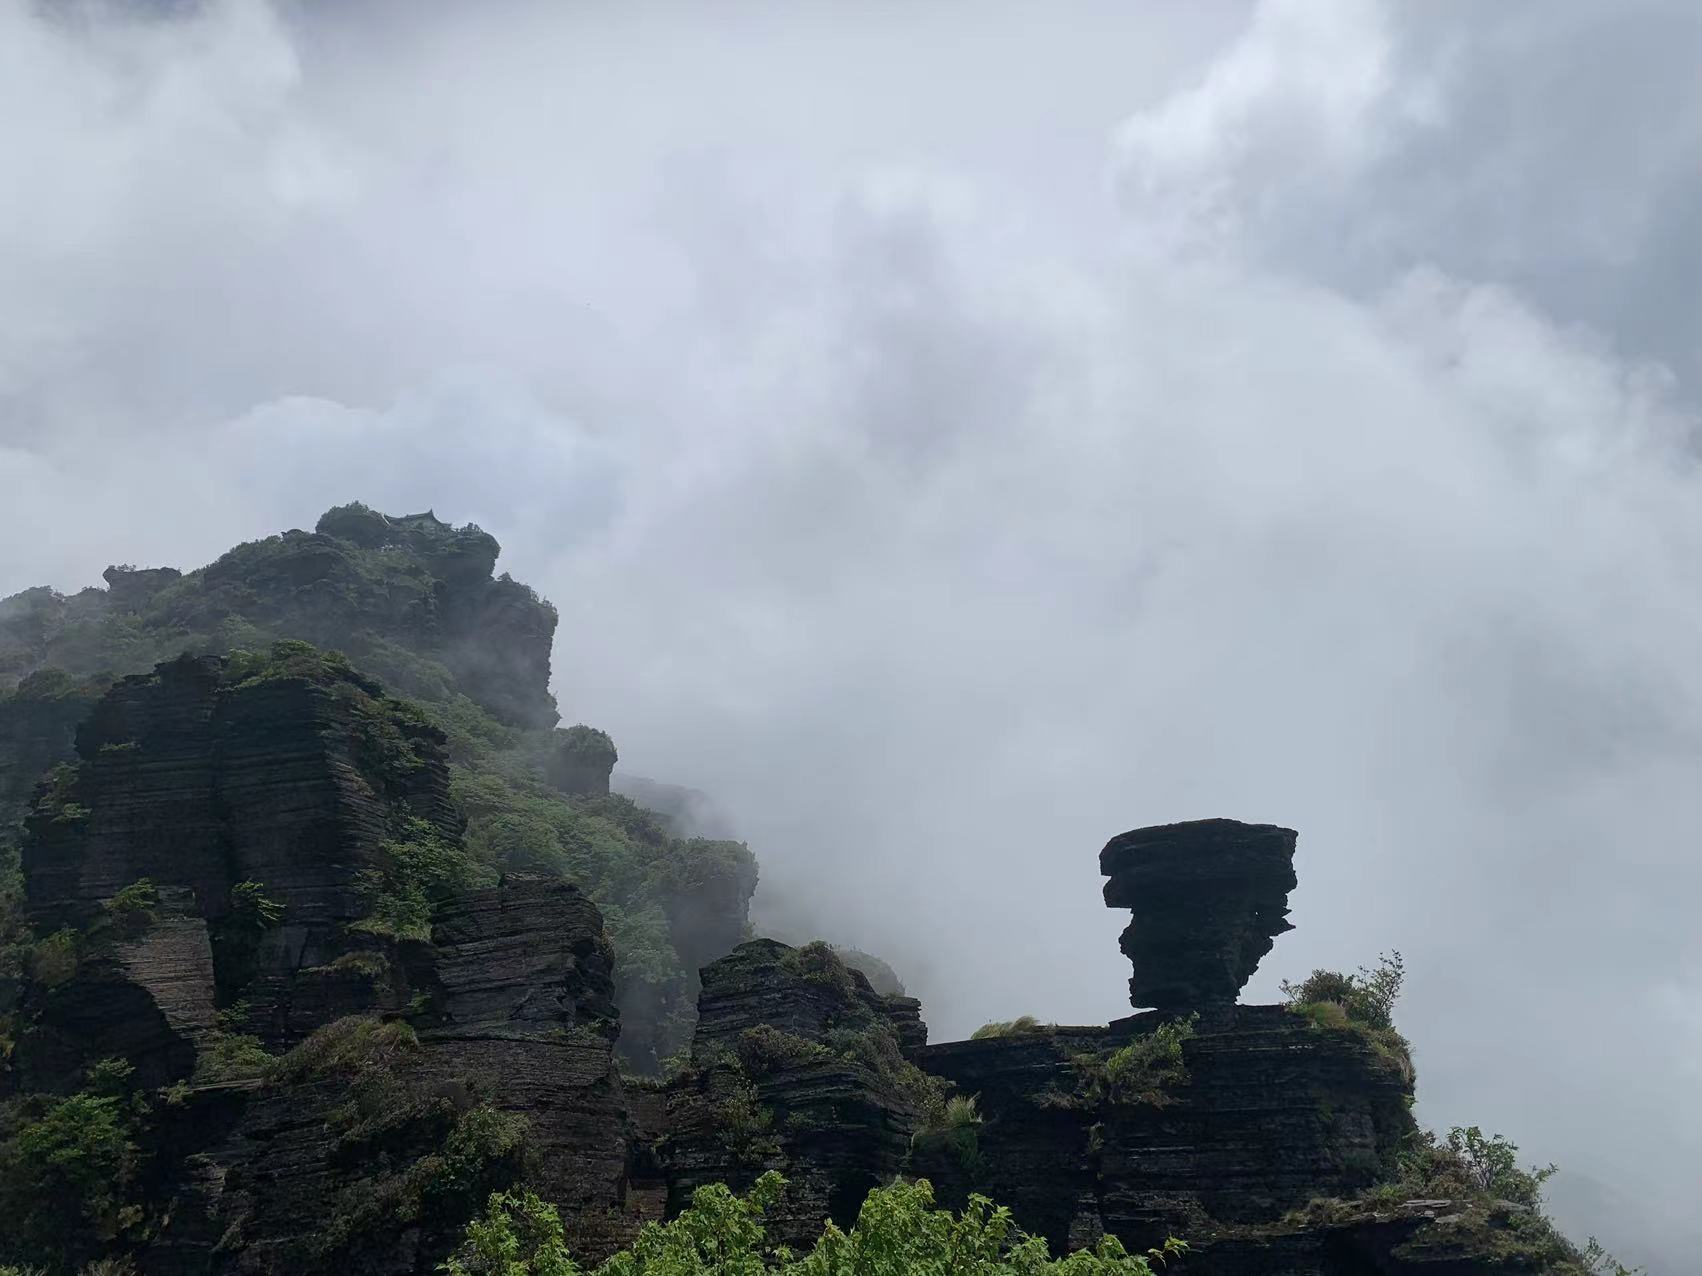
(349,1014)
(210,870)
(1209,898)
(798,1065)
(581,760)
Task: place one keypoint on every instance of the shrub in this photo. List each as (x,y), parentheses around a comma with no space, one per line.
(1368,997)
(53,961)
(874,1045)
(65,1178)
(763,1049)
(1362,1003)
(346,1044)
(1139,1073)
(743,1124)
(1497,1204)
(481,1150)
(818,963)
(423,868)
(252,909)
(898,1232)
(954,1128)
(519,1234)
(131,911)
(231,1056)
(1021,1026)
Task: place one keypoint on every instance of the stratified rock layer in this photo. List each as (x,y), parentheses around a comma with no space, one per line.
(495,1027)
(797,1067)
(1208,898)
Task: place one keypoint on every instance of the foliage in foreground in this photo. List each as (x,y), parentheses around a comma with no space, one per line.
(898,1232)
(68,1168)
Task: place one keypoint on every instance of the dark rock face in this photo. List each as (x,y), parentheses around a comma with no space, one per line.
(796,991)
(1208,898)
(130,588)
(494,1028)
(197,778)
(520,1019)
(196,783)
(581,761)
(835,1123)
(386,590)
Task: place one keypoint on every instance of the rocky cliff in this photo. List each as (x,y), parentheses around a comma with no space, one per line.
(415,601)
(297,972)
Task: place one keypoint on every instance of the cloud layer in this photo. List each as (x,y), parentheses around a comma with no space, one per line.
(952,439)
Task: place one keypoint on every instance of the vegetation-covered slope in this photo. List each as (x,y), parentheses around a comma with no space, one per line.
(414,601)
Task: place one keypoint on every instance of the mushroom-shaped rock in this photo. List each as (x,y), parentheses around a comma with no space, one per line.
(1209,898)
(581,761)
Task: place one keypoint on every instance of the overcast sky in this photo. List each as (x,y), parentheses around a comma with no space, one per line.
(955,433)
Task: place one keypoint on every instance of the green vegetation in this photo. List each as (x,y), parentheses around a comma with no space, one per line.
(1142,1072)
(764,1049)
(1362,1004)
(53,961)
(69,1169)
(898,1232)
(744,1126)
(250,906)
(423,868)
(1495,1206)
(131,911)
(1021,1026)
(952,1128)
(369,591)
(229,1055)
(353,1043)
(433,1162)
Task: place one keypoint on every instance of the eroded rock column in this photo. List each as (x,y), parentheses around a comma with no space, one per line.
(1208,899)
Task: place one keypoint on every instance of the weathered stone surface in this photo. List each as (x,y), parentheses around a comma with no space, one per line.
(581,761)
(196,782)
(519,1015)
(1208,898)
(525,958)
(835,1123)
(764,982)
(1272,1114)
(130,588)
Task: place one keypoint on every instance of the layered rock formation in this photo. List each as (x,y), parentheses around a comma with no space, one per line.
(217,865)
(331,934)
(415,601)
(413,1074)
(798,1065)
(387,590)
(1209,898)
(295,779)
(581,760)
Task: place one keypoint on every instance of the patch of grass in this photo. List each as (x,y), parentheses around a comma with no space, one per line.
(422,869)
(231,1056)
(53,961)
(1362,1004)
(953,1128)
(1021,1026)
(344,1045)
(764,1049)
(1142,1072)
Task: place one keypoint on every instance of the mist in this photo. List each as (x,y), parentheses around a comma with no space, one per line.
(953,435)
